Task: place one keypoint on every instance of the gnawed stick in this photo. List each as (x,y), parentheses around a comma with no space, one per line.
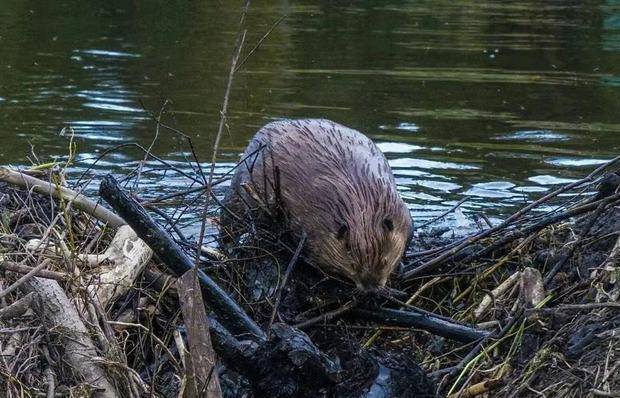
(532,287)
(80,202)
(489,298)
(120,265)
(200,364)
(59,316)
(478,389)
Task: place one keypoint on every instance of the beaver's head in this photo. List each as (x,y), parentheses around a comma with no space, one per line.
(361,231)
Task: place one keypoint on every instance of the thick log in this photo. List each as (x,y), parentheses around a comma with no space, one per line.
(287,365)
(227,310)
(435,325)
(60,317)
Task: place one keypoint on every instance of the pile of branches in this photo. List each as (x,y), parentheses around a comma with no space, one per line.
(544,281)
(108,296)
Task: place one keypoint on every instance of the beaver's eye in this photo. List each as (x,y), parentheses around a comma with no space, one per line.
(342,231)
(388,224)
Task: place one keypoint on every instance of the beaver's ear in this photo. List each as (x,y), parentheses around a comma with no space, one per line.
(342,231)
(388,224)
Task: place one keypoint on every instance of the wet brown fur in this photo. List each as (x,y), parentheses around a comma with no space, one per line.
(334,184)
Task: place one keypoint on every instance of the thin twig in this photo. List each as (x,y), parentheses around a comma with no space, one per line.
(220,130)
(150,148)
(26,277)
(442,215)
(287,273)
(330,315)
(24,269)
(262,39)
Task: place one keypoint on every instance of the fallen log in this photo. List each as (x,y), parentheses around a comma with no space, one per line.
(287,365)
(301,372)
(226,309)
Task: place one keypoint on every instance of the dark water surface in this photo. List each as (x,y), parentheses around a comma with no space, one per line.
(497,101)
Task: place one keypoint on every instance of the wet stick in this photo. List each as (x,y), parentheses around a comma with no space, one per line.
(284,280)
(410,301)
(425,321)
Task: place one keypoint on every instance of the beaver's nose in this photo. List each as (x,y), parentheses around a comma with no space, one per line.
(369,282)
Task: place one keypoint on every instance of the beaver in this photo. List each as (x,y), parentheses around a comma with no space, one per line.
(332,184)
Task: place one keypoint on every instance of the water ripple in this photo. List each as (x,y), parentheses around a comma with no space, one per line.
(430,164)
(575,162)
(398,147)
(108,53)
(534,136)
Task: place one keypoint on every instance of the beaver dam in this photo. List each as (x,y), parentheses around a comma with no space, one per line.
(99,297)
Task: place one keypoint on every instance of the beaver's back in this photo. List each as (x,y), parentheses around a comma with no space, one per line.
(314,148)
(317,161)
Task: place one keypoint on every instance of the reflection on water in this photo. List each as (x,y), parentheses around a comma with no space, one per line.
(494,101)
(535,136)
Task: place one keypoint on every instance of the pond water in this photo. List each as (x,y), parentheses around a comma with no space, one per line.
(496,101)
